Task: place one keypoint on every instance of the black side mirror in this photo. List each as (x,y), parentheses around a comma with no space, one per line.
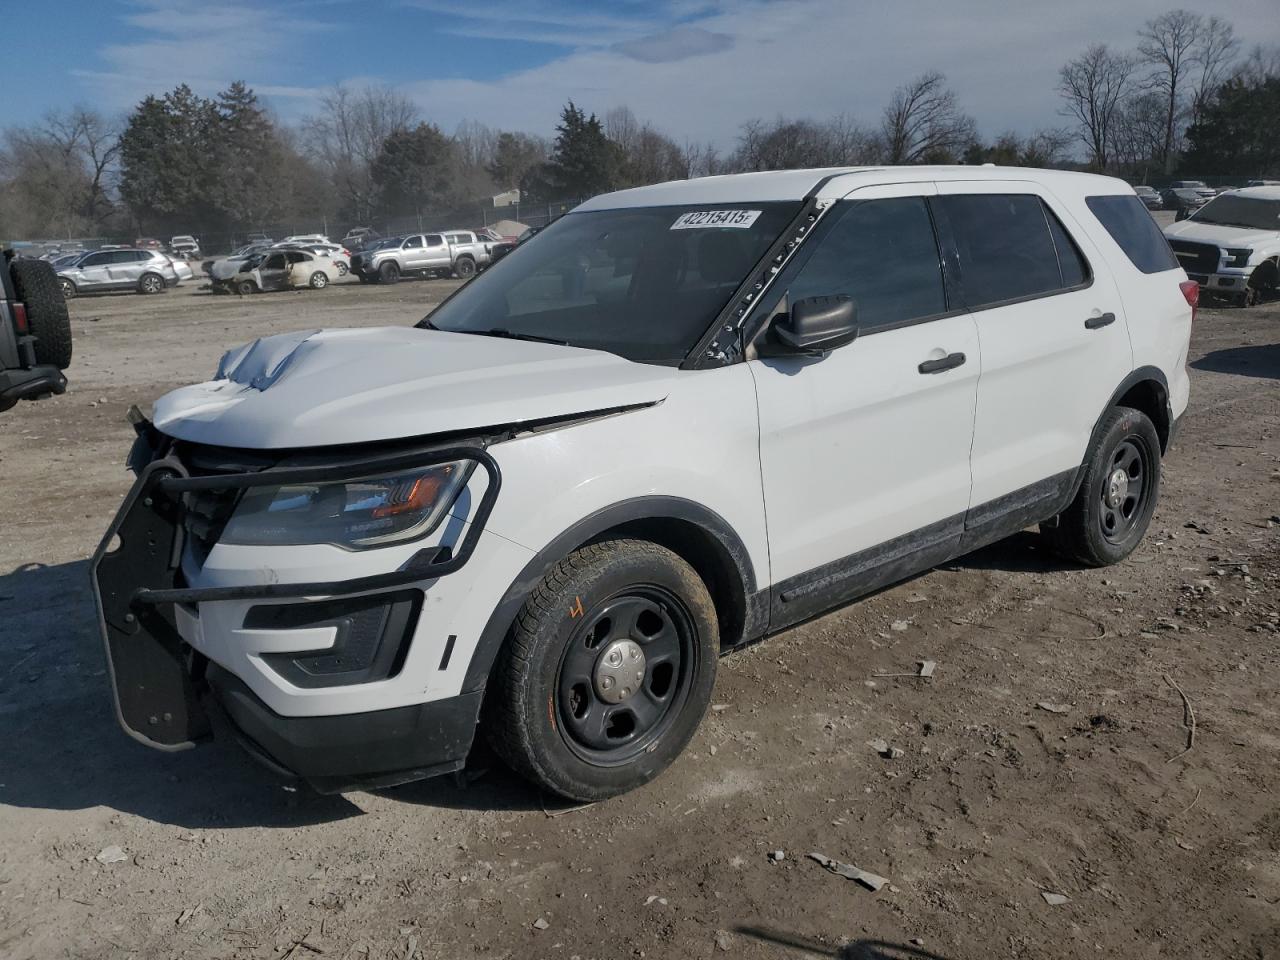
(817,325)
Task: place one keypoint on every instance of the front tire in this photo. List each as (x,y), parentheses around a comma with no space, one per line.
(389,273)
(607,672)
(246,287)
(1117,495)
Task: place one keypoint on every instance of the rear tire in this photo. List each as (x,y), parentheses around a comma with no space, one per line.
(1117,496)
(341,267)
(555,712)
(318,280)
(389,273)
(68,288)
(151,283)
(40,288)
(465,268)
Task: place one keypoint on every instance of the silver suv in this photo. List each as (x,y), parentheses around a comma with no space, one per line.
(147,271)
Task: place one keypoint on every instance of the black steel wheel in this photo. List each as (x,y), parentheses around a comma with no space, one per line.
(1118,493)
(607,671)
(625,673)
(1123,490)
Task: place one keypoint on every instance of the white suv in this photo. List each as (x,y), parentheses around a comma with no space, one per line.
(1231,245)
(681,418)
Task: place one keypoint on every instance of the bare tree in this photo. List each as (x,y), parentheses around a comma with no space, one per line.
(347,135)
(922,122)
(1094,85)
(1168,44)
(790,144)
(1261,63)
(1214,57)
(1139,133)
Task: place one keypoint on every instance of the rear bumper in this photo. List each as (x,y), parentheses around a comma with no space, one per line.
(30,384)
(352,751)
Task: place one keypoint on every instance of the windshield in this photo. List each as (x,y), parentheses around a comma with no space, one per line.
(1237,211)
(644,283)
(387,242)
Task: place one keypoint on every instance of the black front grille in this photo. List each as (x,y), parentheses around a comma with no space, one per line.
(1196,257)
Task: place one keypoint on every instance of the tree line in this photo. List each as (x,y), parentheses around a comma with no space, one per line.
(1183,98)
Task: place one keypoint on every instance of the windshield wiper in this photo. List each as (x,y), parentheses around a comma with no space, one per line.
(512,335)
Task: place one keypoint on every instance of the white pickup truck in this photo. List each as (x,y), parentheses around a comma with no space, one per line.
(456,253)
(1231,245)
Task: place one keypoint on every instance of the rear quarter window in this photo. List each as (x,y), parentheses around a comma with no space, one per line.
(1131,227)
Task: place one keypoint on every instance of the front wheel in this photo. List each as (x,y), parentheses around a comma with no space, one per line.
(389,273)
(246,287)
(607,673)
(1118,493)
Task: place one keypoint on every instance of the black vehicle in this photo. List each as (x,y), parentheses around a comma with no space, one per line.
(1183,201)
(502,248)
(35,331)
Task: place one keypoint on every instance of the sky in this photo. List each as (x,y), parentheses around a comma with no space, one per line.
(695,69)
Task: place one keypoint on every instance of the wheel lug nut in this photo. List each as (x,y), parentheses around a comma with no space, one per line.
(606,682)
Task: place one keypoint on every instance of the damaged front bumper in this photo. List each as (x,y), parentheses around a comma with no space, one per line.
(161,684)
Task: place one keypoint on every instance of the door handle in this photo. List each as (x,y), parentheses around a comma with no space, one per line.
(943,363)
(1093,323)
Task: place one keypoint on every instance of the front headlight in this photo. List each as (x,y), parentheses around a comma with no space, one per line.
(1237,258)
(354,514)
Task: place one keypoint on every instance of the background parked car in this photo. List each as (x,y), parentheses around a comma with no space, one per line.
(184,245)
(280,270)
(147,271)
(181,268)
(359,237)
(307,238)
(35,331)
(1149,196)
(335,252)
(223,267)
(259,238)
(147,243)
(1183,200)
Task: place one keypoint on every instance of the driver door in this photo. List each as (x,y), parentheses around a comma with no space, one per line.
(864,453)
(272,272)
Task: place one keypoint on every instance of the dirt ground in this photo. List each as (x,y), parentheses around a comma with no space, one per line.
(995,800)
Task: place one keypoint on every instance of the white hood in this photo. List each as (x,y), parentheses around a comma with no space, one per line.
(1223,236)
(319,388)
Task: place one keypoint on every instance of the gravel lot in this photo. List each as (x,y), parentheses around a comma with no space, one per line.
(994,802)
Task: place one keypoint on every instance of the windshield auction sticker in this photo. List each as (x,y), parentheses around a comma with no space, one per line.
(742,219)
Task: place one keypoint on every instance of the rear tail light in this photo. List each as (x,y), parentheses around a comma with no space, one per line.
(20,319)
(1191,290)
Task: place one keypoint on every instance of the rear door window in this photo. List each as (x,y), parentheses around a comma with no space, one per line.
(1006,248)
(1131,227)
(882,254)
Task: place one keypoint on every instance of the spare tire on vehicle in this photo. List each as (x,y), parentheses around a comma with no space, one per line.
(37,286)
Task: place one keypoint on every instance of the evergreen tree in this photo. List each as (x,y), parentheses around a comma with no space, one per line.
(251,176)
(414,170)
(584,161)
(1239,130)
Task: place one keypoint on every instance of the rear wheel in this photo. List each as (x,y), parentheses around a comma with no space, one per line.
(465,268)
(1118,493)
(318,280)
(389,273)
(342,268)
(151,283)
(68,288)
(607,673)
(42,290)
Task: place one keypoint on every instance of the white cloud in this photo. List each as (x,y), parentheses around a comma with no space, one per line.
(814,58)
(205,46)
